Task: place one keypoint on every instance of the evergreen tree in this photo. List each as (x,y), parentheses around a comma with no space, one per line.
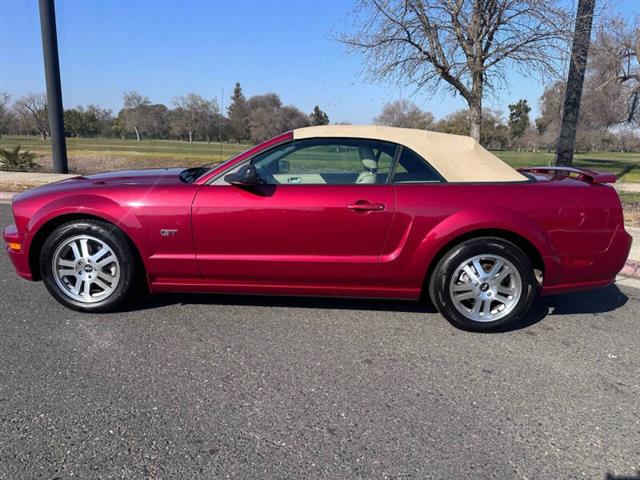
(318,117)
(238,114)
(518,118)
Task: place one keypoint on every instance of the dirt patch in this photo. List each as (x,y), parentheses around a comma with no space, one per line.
(631,213)
(89,165)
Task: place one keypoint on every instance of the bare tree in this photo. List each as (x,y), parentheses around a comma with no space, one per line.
(33,115)
(211,121)
(403,113)
(616,59)
(134,112)
(5,112)
(193,110)
(268,118)
(463,44)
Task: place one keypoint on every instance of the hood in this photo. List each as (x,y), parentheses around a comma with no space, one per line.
(122,178)
(151,176)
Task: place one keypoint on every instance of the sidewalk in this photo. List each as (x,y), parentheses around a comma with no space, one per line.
(11,182)
(627,187)
(19,181)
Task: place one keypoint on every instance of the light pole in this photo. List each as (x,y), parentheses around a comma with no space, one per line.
(54,90)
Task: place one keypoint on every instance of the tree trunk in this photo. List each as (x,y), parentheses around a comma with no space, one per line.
(43,135)
(475,104)
(137,134)
(475,119)
(190,136)
(575,80)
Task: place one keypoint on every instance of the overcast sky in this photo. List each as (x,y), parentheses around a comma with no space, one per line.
(168,48)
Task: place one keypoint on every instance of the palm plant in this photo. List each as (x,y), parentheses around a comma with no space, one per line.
(15,160)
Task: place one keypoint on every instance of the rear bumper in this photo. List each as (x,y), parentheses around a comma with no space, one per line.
(600,270)
(19,257)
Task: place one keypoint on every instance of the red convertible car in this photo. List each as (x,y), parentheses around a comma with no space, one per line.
(354,211)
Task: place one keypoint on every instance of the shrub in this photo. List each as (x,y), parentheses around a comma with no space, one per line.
(15,160)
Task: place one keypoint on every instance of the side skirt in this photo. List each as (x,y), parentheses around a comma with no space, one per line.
(192,285)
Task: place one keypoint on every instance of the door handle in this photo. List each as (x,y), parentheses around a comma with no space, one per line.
(366,207)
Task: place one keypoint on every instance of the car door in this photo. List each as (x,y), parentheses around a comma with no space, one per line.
(320,219)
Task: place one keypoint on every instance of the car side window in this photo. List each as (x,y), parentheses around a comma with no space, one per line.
(327,161)
(412,168)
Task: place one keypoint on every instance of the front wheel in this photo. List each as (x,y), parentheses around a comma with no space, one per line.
(88,265)
(484,284)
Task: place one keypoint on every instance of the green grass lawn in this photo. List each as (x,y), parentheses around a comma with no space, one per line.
(146,150)
(626,166)
(99,154)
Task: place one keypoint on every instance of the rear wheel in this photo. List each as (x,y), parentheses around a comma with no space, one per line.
(88,265)
(484,284)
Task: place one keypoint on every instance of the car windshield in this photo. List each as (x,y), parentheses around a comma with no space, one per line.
(190,175)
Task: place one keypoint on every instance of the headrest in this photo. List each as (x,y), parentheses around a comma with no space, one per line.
(369,164)
(367,158)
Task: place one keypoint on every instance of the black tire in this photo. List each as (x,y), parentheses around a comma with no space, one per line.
(119,244)
(444,271)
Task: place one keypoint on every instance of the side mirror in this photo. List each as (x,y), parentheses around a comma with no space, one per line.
(246,176)
(283,166)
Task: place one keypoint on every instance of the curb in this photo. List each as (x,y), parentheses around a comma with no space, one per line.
(5,197)
(631,269)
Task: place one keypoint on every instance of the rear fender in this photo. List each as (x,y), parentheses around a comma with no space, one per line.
(488,219)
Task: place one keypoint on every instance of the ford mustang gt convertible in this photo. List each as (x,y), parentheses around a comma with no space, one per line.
(356,211)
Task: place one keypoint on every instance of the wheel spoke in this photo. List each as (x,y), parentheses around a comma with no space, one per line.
(470,273)
(101,284)
(100,253)
(463,287)
(106,261)
(506,291)
(464,296)
(84,247)
(506,271)
(105,276)
(66,272)
(487,309)
(496,268)
(66,263)
(75,250)
(77,288)
(479,269)
(476,307)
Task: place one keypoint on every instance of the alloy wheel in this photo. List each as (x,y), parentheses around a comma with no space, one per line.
(86,269)
(485,288)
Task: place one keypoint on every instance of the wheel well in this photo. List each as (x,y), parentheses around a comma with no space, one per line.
(521,242)
(46,229)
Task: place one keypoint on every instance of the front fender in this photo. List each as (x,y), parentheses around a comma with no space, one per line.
(91,205)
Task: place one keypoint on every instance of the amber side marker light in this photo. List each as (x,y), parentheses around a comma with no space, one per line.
(14,246)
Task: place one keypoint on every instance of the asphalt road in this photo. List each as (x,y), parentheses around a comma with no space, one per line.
(193,386)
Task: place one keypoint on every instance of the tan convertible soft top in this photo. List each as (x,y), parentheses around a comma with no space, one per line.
(456,157)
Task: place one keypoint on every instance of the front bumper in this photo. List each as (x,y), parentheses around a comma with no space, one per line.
(19,256)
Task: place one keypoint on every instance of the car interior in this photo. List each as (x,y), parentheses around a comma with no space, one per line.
(341,162)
